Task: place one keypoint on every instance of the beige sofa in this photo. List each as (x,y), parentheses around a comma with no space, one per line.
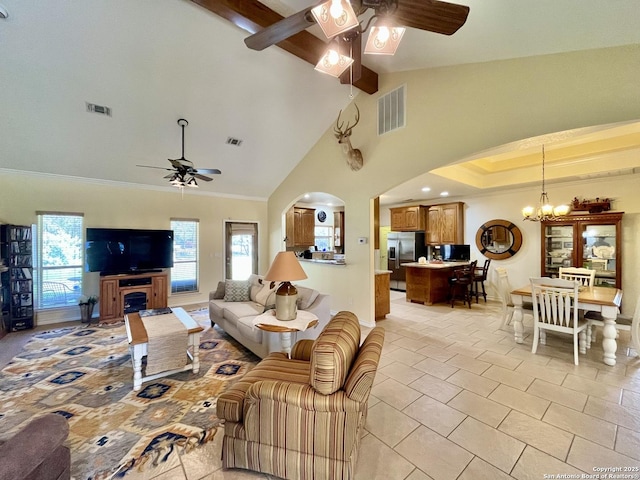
(236,317)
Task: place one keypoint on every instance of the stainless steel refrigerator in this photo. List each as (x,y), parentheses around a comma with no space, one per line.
(404,247)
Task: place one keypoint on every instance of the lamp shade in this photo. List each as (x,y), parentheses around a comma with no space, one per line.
(285,268)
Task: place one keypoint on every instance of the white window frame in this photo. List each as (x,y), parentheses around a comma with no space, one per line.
(65,290)
(193,287)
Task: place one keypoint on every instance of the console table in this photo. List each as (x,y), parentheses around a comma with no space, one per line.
(114,290)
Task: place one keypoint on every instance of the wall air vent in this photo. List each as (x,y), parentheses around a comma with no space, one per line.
(391,111)
(234,141)
(100,109)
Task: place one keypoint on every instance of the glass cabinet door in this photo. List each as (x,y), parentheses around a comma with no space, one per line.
(599,252)
(558,248)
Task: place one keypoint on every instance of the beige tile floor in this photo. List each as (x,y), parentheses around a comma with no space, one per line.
(456,398)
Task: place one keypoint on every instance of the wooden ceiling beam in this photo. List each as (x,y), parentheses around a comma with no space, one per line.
(252,16)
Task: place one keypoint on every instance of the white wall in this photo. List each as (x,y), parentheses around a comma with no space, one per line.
(454,112)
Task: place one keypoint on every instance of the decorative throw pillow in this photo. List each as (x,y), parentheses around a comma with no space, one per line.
(306,296)
(263,295)
(219,293)
(236,291)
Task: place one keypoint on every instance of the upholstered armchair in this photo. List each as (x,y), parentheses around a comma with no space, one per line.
(302,418)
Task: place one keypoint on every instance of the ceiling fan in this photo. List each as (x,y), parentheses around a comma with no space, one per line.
(183,172)
(430,15)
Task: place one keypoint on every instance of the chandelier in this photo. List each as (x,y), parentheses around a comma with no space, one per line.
(544,211)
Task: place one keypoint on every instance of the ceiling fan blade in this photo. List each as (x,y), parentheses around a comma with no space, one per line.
(281,30)
(201,177)
(208,171)
(151,166)
(431,15)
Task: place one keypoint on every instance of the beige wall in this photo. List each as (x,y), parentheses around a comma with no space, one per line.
(121,206)
(451,113)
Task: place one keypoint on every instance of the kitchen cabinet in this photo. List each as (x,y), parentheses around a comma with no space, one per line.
(590,241)
(445,224)
(382,294)
(408,219)
(300,227)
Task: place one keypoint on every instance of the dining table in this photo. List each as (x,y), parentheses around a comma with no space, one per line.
(604,300)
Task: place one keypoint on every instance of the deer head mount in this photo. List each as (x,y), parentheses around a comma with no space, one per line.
(354,156)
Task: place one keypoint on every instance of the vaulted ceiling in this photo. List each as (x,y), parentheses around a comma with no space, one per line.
(155,61)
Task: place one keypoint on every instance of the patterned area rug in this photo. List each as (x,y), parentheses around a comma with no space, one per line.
(85,374)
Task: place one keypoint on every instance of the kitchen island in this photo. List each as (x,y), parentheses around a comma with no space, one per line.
(428,283)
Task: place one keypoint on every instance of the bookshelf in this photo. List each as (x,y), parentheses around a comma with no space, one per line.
(16,277)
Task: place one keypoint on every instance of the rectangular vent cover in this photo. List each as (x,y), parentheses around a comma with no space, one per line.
(234,141)
(101,109)
(391,111)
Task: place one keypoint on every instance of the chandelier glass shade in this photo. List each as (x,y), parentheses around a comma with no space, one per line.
(181,180)
(383,40)
(333,62)
(544,210)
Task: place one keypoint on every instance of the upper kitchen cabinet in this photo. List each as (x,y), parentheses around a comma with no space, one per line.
(300,223)
(591,241)
(338,231)
(445,224)
(408,219)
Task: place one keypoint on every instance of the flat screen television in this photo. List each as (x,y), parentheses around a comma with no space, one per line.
(455,253)
(112,251)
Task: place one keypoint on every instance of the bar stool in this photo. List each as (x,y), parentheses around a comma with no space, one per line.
(479,276)
(461,283)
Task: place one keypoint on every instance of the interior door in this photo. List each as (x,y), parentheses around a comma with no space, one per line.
(241,250)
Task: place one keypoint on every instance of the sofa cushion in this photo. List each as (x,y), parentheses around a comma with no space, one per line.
(248,330)
(306,296)
(333,353)
(236,291)
(234,311)
(217,308)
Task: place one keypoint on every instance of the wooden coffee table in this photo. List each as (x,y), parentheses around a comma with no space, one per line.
(138,341)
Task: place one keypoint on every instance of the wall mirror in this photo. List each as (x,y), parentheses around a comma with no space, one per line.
(498,239)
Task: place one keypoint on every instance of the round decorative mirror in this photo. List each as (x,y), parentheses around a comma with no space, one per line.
(498,239)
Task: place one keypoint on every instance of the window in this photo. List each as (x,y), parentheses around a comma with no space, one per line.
(184,274)
(324,239)
(59,259)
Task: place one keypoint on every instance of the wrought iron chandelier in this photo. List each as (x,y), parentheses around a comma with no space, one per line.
(544,211)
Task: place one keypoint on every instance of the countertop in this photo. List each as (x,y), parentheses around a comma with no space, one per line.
(436,265)
(382,272)
(319,260)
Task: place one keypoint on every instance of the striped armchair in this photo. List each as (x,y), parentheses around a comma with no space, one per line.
(302,418)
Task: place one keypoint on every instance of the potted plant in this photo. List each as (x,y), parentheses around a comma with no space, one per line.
(86,304)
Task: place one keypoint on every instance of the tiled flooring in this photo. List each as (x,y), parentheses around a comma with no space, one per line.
(456,398)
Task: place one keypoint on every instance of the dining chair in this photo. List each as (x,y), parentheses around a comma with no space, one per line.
(504,290)
(555,308)
(479,277)
(461,283)
(585,276)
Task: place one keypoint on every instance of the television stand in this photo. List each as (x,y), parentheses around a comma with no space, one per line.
(114,291)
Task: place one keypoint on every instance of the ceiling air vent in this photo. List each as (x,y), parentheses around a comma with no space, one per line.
(391,111)
(101,109)
(234,141)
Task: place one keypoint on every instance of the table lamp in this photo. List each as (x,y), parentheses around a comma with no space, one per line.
(285,268)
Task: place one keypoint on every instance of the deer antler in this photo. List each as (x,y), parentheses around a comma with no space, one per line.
(347,131)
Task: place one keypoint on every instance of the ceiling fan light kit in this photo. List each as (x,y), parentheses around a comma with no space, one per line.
(333,63)
(184,174)
(335,17)
(384,40)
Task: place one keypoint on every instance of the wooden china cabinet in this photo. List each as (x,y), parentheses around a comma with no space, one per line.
(590,241)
